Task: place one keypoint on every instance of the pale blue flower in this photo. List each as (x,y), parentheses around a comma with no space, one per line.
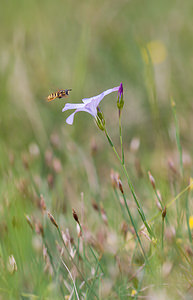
(89,105)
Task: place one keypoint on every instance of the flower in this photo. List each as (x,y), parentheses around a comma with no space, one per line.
(89,105)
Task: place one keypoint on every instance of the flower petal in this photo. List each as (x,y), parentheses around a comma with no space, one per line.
(70,119)
(73,106)
(120,92)
(97,99)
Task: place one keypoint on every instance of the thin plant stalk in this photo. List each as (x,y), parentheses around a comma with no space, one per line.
(123,211)
(78,252)
(177,136)
(158,198)
(188,216)
(71,278)
(140,284)
(140,210)
(131,219)
(97,260)
(121,138)
(134,226)
(52,263)
(171,202)
(80,273)
(95,277)
(162,236)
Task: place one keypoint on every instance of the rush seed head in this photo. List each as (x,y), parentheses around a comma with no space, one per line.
(152,180)
(52,219)
(75,216)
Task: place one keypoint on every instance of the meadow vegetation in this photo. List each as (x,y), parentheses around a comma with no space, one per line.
(77,221)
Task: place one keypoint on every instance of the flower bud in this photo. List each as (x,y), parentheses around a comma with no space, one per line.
(120,101)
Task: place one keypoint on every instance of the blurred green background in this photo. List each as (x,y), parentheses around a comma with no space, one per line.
(88,46)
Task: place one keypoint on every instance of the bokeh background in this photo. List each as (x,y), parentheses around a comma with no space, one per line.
(88,46)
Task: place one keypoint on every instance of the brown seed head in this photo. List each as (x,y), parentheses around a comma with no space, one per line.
(152,180)
(75,216)
(164,212)
(50,180)
(42,203)
(95,206)
(120,186)
(52,219)
(29,221)
(114,179)
(104,216)
(39,228)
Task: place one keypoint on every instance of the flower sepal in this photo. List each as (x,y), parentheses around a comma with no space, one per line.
(100,121)
(120,103)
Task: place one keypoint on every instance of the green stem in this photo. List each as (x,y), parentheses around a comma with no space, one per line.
(93,283)
(140,210)
(123,211)
(140,284)
(97,260)
(134,226)
(52,263)
(158,198)
(177,135)
(80,273)
(162,241)
(121,138)
(187,217)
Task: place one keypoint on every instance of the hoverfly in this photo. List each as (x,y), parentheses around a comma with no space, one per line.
(60,94)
